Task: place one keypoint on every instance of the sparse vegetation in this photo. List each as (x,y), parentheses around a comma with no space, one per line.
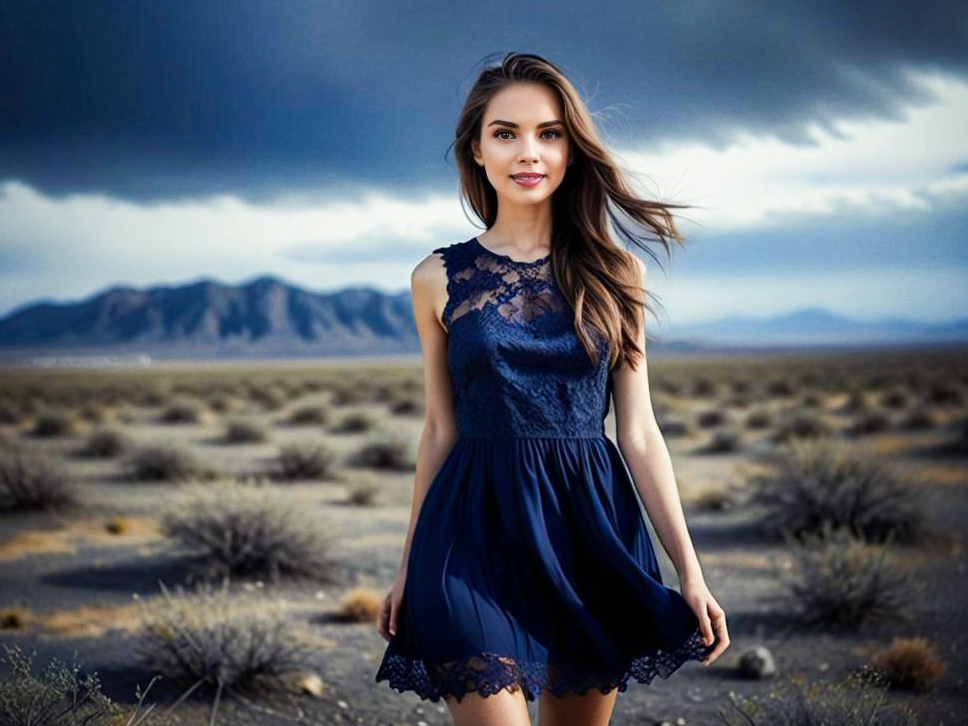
(858,700)
(34,481)
(166,462)
(183,410)
(910,663)
(208,636)
(245,431)
(54,422)
(814,483)
(840,582)
(385,449)
(305,460)
(106,442)
(232,528)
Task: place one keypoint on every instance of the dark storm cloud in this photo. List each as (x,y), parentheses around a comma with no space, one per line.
(152,100)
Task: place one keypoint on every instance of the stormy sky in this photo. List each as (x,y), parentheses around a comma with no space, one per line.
(822,145)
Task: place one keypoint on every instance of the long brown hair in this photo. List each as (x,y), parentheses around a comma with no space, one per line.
(595,275)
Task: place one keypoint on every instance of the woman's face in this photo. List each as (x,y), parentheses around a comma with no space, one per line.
(522,132)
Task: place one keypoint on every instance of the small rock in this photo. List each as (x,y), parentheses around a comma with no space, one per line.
(342,704)
(757,662)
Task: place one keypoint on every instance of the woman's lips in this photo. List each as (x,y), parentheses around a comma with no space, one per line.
(528,180)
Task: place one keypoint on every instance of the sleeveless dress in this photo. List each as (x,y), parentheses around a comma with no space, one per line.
(530,564)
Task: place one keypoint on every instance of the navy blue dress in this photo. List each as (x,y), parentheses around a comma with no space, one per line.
(531,565)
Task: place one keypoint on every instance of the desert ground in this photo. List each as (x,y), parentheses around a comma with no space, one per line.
(234,527)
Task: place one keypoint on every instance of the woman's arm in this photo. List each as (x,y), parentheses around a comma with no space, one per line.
(428,285)
(644,450)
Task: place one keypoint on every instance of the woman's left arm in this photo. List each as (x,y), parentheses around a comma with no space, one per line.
(644,450)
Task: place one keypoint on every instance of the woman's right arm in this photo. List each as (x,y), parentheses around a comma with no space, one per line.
(428,292)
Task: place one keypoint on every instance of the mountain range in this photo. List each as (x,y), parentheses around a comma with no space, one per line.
(269,317)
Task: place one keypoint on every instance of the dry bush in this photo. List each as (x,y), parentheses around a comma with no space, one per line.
(801,424)
(360,605)
(34,481)
(106,442)
(57,696)
(15,618)
(211,637)
(408,404)
(385,449)
(841,582)
(858,700)
(232,528)
(910,663)
(356,422)
(673,426)
(759,419)
(919,419)
(310,415)
(305,460)
(245,431)
(183,410)
(363,490)
(710,418)
(815,483)
(724,441)
(54,422)
(869,421)
(166,462)
(10,413)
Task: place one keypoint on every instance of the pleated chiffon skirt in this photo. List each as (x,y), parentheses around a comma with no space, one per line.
(531,566)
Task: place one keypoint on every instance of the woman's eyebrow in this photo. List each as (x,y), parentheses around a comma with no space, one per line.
(514,125)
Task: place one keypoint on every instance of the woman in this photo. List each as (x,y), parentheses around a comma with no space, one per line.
(528,570)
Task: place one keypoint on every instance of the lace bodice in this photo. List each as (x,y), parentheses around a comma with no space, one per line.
(517,366)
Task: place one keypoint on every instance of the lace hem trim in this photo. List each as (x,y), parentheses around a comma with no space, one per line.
(489,673)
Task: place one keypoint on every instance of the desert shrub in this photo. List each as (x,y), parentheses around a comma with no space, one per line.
(359,605)
(703,387)
(672,426)
(869,421)
(800,424)
(759,419)
(244,431)
(811,400)
(944,393)
(208,636)
(56,696)
(106,442)
(385,450)
(813,483)
(310,415)
(356,422)
(54,422)
(94,412)
(271,398)
(910,663)
(305,460)
(220,403)
(232,528)
(348,394)
(710,418)
(363,490)
(918,419)
(166,462)
(34,481)
(856,400)
(858,700)
(894,399)
(838,581)
(407,403)
(779,387)
(724,441)
(10,412)
(183,410)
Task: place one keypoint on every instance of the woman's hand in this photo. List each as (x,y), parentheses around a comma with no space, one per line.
(387,622)
(712,618)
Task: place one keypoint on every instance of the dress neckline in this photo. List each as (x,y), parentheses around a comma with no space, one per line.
(506,258)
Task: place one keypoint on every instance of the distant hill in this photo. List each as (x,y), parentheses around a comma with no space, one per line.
(268,317)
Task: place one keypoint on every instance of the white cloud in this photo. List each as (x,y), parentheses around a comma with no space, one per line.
(68,248)
(875,168)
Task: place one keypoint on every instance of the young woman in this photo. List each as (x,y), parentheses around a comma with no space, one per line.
(528,570)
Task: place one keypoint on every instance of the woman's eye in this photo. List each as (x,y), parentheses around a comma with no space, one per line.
(555,134)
